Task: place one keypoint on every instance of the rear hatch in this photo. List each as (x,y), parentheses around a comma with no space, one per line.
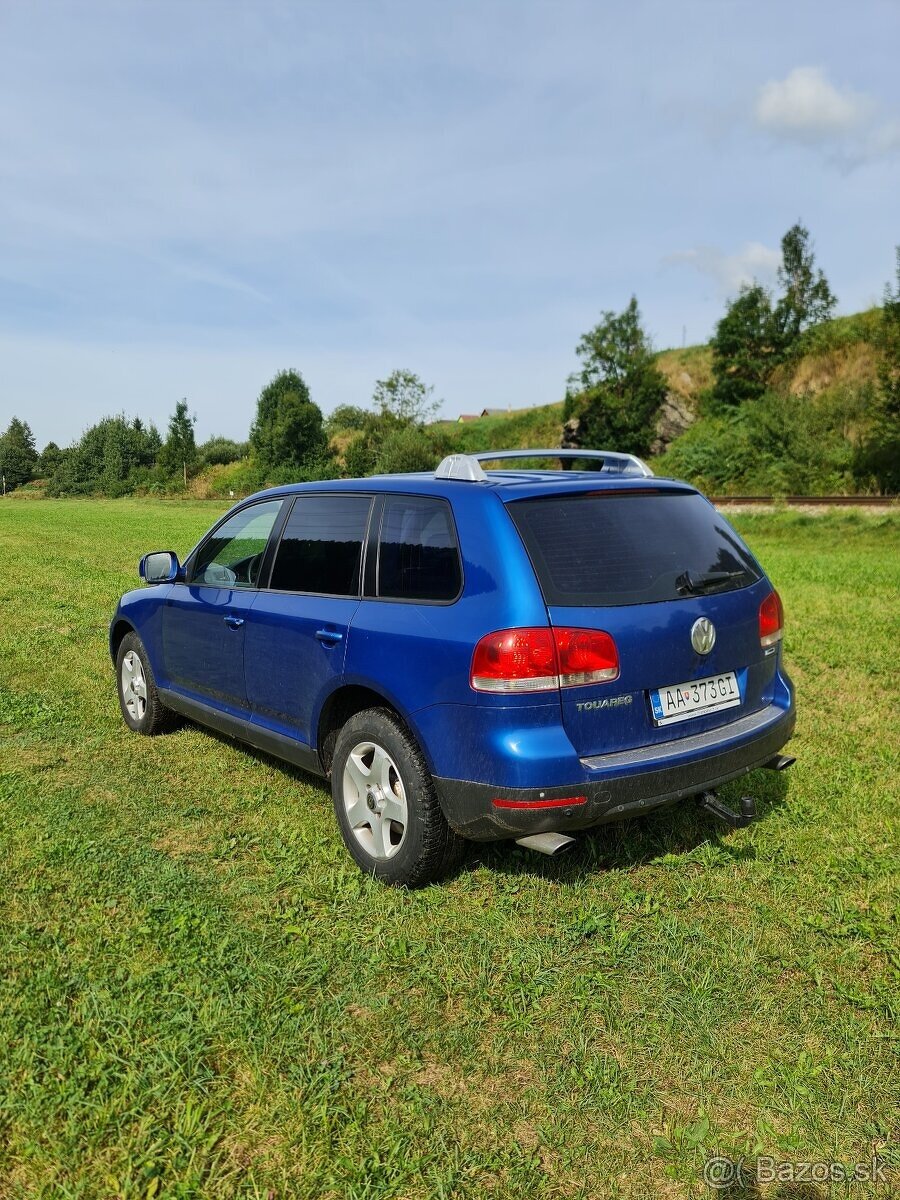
(646,566)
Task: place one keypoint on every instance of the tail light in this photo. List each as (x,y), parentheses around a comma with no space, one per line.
(586,656)
(539,660)
(771,620)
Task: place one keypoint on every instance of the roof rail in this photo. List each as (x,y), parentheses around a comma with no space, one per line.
(468,466)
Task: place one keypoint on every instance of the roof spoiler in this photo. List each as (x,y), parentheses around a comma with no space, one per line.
(468,466)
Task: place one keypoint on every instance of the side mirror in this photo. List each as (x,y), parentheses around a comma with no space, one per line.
(159,567)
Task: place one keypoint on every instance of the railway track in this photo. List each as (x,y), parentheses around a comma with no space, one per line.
(813,501)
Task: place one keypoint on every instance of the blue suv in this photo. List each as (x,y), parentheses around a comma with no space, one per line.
(471,654)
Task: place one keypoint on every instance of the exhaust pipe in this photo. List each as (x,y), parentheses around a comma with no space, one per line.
(780,762)
(546,843)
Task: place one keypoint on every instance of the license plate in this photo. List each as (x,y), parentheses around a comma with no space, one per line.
(681,701)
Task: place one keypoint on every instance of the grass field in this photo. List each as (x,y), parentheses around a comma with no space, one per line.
(201,996)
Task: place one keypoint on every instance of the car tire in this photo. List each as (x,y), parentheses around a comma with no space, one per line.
(386,805)
(142,709)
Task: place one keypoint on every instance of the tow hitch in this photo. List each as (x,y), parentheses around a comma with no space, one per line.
(711,803)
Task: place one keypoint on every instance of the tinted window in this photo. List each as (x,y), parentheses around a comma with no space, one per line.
(630,549)
(321,547)
(417,558)
(233,555)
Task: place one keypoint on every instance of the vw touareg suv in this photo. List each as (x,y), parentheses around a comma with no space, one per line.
(470,654)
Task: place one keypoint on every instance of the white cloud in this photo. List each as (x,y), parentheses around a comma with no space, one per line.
(806,106)
(753,261)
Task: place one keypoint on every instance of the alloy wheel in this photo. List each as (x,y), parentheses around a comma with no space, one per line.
(375,800)
(134,686)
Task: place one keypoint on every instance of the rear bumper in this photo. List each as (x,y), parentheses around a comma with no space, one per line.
(611,787)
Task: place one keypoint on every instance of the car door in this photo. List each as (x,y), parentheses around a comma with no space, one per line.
(204,618)
(296,637)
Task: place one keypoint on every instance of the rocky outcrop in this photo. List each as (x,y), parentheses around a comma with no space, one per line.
(674,417)
(571,435)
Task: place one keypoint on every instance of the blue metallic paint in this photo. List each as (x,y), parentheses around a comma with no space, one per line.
(290,672)
(203,655)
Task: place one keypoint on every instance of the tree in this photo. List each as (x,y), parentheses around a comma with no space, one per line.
(406,449)
(287,436)
(179,452)
(392,438)
(614,349)
(745,347)
(363,452)
(403,395)
(346,416)
(216,451)
(808,300)
(622,389)
(889,344)
(878,459)
(50,458)
(754,335)
(110,458)
(18,454)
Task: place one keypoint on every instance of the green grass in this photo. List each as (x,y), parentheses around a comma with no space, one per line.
(201,996)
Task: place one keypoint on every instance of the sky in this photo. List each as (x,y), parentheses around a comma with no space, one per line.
(196,196)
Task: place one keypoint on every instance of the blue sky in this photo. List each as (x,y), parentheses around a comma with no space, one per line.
(193,196)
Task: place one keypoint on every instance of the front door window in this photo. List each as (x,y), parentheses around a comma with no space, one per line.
(233,556)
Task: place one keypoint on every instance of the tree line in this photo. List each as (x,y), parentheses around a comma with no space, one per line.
(289,440)
(753,429)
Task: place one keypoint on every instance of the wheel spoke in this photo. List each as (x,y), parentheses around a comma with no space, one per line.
(394,809)
(383,766)
(359,772)
(358,814)
(379,836)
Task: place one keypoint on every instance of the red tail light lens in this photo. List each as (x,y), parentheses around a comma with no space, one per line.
(515,660)
(538,660)
(586,656)
(771,620)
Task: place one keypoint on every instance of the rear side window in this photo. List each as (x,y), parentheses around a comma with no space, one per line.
(418,558)
(630,549)
(321,546)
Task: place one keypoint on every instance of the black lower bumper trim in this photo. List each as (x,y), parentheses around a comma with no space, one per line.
(470,810)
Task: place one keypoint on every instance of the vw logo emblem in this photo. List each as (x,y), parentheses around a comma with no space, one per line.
(703,635)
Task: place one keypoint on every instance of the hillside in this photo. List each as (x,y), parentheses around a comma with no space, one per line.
(521,428)
(801,438)
(687,371)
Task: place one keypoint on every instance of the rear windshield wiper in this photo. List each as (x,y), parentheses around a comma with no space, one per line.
(704,581)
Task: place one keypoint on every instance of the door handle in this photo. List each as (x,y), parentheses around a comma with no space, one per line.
(329,636)
(234,622)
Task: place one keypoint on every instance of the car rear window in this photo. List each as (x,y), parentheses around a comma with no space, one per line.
(418,557)
(634,548)
(321,546)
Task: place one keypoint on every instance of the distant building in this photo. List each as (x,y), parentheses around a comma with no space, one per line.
(494,412)
(467,417)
